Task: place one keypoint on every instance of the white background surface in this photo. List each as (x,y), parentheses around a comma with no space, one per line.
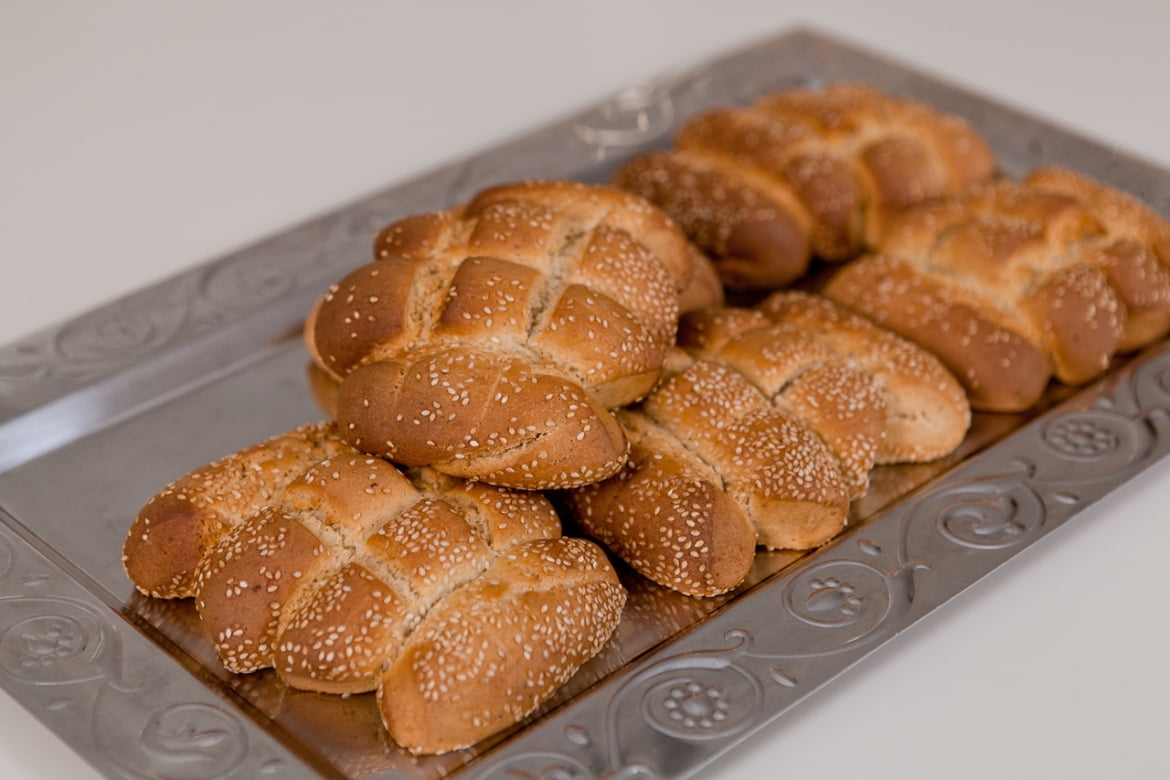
(138,139)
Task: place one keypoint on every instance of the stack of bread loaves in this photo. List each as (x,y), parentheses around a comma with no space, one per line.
(529,340)
(485,342)
(1009,283)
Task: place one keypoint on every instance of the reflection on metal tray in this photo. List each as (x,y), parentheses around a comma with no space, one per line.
(128,397)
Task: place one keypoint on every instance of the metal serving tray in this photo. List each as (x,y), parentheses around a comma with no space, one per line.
(98,414)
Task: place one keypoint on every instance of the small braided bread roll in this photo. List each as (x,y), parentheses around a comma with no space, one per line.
(803,173)
(460,603)
(762,435)
(490,340)
(1012,283)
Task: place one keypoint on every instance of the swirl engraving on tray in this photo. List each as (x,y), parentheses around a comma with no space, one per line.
(94,344)
(1093,444)
(111,334)
(201,740)
(638,113)
(702,702)
(116,335)
(50,641)
(206,298)
(1082,436)
(62,656)
(693,697)
(238,285)
(839,594)
(990,513)
(991,520)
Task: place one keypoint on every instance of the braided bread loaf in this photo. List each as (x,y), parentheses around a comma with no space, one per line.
(763,434)
(460,603)
(802,173)
(1012,283)
(488,341)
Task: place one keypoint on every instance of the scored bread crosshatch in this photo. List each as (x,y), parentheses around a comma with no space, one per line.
(718,634)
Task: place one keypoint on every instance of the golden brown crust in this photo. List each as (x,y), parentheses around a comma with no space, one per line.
(667,514)
(927,414)
(1123,215)
(705,288)
(496,418)
(750,241)
(765,429)
(762,454)
(846,408)
(1000,370)
(580,282)
(1134,253)
(318,625)
(1013,283)
(1142,283)
(180,523)
(467,671)
(716,470)
(1081,322)
(593,204)
(800,375)
(346,574)
(242,588)
(804,172)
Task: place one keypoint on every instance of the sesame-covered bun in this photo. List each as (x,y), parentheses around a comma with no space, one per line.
(926,411)
(460,603)
(490,340)
(803,173)
(1014,283)
(763,434)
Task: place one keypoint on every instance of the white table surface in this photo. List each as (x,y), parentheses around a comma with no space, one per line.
(140,138)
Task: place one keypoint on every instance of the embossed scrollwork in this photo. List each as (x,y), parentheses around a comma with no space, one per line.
(48,641)
(241,285)
(849,598)
(1083,437)
(195,736)
(692,697)
(1091,445)
(996,512)
(22,363)
(987,514)
(701,702)
(184,741)
(114,334)
(990,520)
(635,115)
